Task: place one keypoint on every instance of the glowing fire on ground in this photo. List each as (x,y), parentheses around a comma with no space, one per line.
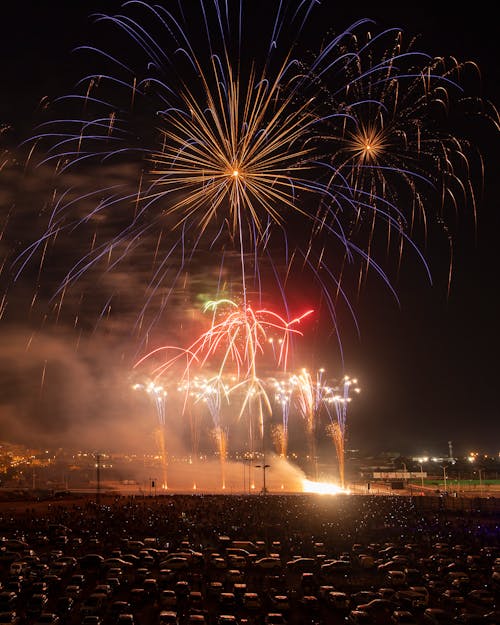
(323,488)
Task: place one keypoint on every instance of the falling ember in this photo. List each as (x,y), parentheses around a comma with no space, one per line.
(42,381)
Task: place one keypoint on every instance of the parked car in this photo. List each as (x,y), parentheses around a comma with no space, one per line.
(363,596)
(471,618)
(226,619)
(411,600)
(395,578)
(338,600)
(358,617)
(437,616)
(252,601)
(403,617)
(452,598)
(280,603)
(268,563)
(118,607)
(335,567)
(379,609)
(302,565)
(168,617)
(168,598)
(274,618)
(94,604)
(482,597)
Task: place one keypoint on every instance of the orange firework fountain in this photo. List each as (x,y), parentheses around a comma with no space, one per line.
(337,429)
(280,440)
(309,395)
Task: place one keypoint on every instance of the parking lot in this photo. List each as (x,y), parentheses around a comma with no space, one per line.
(257,559)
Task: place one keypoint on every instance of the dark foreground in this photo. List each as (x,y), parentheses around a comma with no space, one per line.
(179,554)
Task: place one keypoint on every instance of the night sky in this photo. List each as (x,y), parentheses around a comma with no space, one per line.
(428,367)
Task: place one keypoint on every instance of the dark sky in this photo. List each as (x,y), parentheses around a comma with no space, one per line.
(428,368)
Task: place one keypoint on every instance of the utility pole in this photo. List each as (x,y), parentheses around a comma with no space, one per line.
(263,466)
(98,479)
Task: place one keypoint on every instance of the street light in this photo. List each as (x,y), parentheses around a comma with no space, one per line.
(263,467)
(404,474)
(444,478)
(480,471)
(98,479)
(421,476)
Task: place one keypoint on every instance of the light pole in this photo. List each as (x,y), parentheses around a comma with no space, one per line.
(263,467)
(444,478)
(404,474)
(98,479)
(421,476)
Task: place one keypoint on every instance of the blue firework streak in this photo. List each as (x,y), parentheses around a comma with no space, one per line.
(249,152)
(158,396)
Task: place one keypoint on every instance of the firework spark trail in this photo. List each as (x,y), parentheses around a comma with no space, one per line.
(393,143)
(279,437)
(158,395)
(240,339)
(283,396)
(337,426)
(211,393)
(285,163)
(309,395)
(235,346)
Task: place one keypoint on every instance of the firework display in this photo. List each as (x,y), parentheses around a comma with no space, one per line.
(233,178)
(272,163)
